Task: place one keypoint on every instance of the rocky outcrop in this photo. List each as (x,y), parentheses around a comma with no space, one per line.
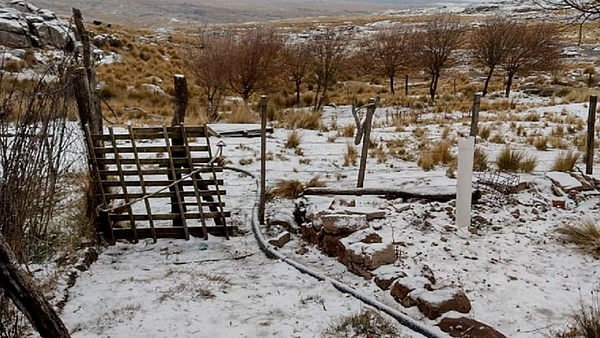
(23,25)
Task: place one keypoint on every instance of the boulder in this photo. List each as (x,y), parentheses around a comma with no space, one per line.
(386,275)
(13,33)
(468,328)
(340,224)
(437,302)
(402,287)
(281,240)
(53,33)
(309,233)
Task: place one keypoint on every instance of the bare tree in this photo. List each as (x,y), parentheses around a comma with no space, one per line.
(388,51)
(434,46)
(490,44)
(532,48)
(296,64)
(208,61)
(328,53)
(586,10)
(254,62)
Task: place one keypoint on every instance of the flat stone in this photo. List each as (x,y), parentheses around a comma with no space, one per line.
(437,302)
(386,275)
(338,224)
(468,328)
(370,213)
(281,240)
(402,287)
(564,181)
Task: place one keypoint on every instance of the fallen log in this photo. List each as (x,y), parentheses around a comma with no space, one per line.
(19,287)
(388,193)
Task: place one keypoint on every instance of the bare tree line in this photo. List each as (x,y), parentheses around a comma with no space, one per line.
(262,60)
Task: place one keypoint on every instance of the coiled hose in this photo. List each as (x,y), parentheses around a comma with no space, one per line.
(403,319)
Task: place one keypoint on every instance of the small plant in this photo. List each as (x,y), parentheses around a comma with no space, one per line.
(565,161)
(446,132)
(294,188)
(347,130)
(438,154)
(586,235)
(586,319)
(293,140)
(497,139)
(532,117)
(558,142)
(541,143)
(350,156)
(367,323)
(485,131)
(514,161)
(480,160)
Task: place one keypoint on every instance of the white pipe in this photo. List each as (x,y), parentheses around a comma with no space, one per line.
(402,318)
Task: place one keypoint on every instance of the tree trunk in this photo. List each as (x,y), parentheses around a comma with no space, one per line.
(433,86)
(487,81)
(298,83)
(19,287)
(509,83)
(392,84)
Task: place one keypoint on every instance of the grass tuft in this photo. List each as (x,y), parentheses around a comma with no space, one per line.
(350,156)
(294,188)
(514,161)
(293,140)
(565,161)
(367,323)
(585,235)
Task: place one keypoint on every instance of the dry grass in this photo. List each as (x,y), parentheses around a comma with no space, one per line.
(347,131)
(480,160)
(367,323)
(586,319)
(294,188)
(540,143)
(585,235)
(304,119)
(485,131)
(350,156)
(515,161)
(241,114)
(565,161)
(293,140)
(438,154)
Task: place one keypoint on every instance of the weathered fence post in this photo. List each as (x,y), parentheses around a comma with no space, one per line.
(83,98)
(475,115)
(589,159)
(27,298)
(366,136)
(181,102)
(406,86)
(263,159)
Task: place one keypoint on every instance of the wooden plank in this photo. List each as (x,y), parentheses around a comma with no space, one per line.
(176,186)
(169,217)
(151,149)
(153,133)
(219,199)
(142,183)
(166,194)
(122,183)
(195,181)
(158,171)
(159,161)
(174,232)
(153,183)
(99,175)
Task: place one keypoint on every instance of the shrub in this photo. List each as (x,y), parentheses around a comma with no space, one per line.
(294,188)
(310,120)
(367,323)
(565,161)
(541,143)
(350,156)
(485,131)
(514,161)
(293,140)
(585,235)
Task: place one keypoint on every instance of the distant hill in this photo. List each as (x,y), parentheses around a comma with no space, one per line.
(155,13)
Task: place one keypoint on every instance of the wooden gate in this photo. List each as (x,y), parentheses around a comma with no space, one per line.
(158,182)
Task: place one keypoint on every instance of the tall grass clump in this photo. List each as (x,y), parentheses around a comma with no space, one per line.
(367,323)
(302,119)
(350,156)
(565,161)
(585,235)
(293,140)
(438,154)
(294,188)
(515,161)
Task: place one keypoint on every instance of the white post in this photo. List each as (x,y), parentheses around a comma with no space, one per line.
(466,152)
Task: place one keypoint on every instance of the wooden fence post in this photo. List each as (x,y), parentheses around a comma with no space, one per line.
(19,287)
(263,159)
(589,159)
(366,140)
(181,102)
(406,86)
(475,115)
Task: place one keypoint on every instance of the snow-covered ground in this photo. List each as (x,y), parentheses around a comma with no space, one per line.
(519,277)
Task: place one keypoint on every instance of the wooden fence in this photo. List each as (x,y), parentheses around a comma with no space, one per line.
(158,182)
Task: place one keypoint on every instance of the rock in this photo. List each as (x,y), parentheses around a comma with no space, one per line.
(386,275)
(331,245)
(402,287)
(468,328)
(370,213)
(559,203)
(301,251)
(370,256)
(338,224)
(13,33)
(281,240)
(53,33)
(309,234)
(564,181)
(283,221)
(153,88)
(428,273)
(437,302)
